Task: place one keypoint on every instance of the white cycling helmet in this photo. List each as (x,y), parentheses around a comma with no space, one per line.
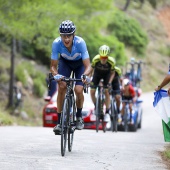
(104,50)
(126,82)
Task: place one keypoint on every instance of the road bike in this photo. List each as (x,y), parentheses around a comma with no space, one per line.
(135,73)
(99,106)
(126,116)
(68,116)
(113,110)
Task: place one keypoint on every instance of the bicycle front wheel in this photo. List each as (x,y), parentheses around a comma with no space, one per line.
(64,126)
(72,126)
(126,128)
(98,112)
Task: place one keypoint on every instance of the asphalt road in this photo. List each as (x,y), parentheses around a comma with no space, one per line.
(37,148)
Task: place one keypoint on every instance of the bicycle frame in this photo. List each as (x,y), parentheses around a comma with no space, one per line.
(135,77)
(68,116)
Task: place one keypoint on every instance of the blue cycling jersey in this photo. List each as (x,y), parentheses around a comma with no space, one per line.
(79,49)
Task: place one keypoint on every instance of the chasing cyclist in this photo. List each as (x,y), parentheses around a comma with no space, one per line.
(128,93)
(103,67)
(69,53)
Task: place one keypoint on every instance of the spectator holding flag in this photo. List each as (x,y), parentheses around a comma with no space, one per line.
(162,105)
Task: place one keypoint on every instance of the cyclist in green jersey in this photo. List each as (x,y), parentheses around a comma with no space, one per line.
(103,67)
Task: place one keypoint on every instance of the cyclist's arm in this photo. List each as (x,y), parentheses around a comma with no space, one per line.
(112,75)
(87,65)
(91,72)
(165,81)
(53,67)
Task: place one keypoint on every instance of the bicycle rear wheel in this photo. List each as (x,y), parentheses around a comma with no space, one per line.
(98,112)
(104,125)
(126,128)
(72,126)
(64,126)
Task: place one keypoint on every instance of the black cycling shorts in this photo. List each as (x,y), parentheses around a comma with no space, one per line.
(96,79)
(127,97)
(65,67)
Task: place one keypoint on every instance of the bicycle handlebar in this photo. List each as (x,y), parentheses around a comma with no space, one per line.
(67,80)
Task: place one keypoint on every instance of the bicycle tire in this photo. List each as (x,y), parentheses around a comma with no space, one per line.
(101,112)
(98,112)
(113,117)
(72,124)
(104,125)
(64,126)
(126,120)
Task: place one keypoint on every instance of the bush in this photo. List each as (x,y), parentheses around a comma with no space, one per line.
(116,47)
(5,119)
(4,64)
(164,50)
(26,69)
(128,31)
(4,77)
(21,74)
(39,88)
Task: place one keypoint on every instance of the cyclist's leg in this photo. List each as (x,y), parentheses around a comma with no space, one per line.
(93,86)
(120,116)
(64,70)
(107,95)
(92,94)
(79,70)
(107,100)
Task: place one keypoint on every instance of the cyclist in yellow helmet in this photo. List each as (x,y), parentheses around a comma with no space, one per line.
(103,67)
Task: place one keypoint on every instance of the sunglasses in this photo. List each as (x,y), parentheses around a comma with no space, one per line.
(103,57)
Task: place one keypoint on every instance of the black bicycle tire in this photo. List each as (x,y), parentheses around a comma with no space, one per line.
(103,122)
(126,120)
(115,118)
(64,128)
(97,112)
(112,116)
(103,125)
(70,133)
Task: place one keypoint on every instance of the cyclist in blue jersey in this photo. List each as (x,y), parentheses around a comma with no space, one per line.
(69,53)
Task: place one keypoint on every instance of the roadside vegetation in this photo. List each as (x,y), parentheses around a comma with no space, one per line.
(128,33)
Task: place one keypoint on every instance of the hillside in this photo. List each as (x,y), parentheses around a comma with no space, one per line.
(154,21)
